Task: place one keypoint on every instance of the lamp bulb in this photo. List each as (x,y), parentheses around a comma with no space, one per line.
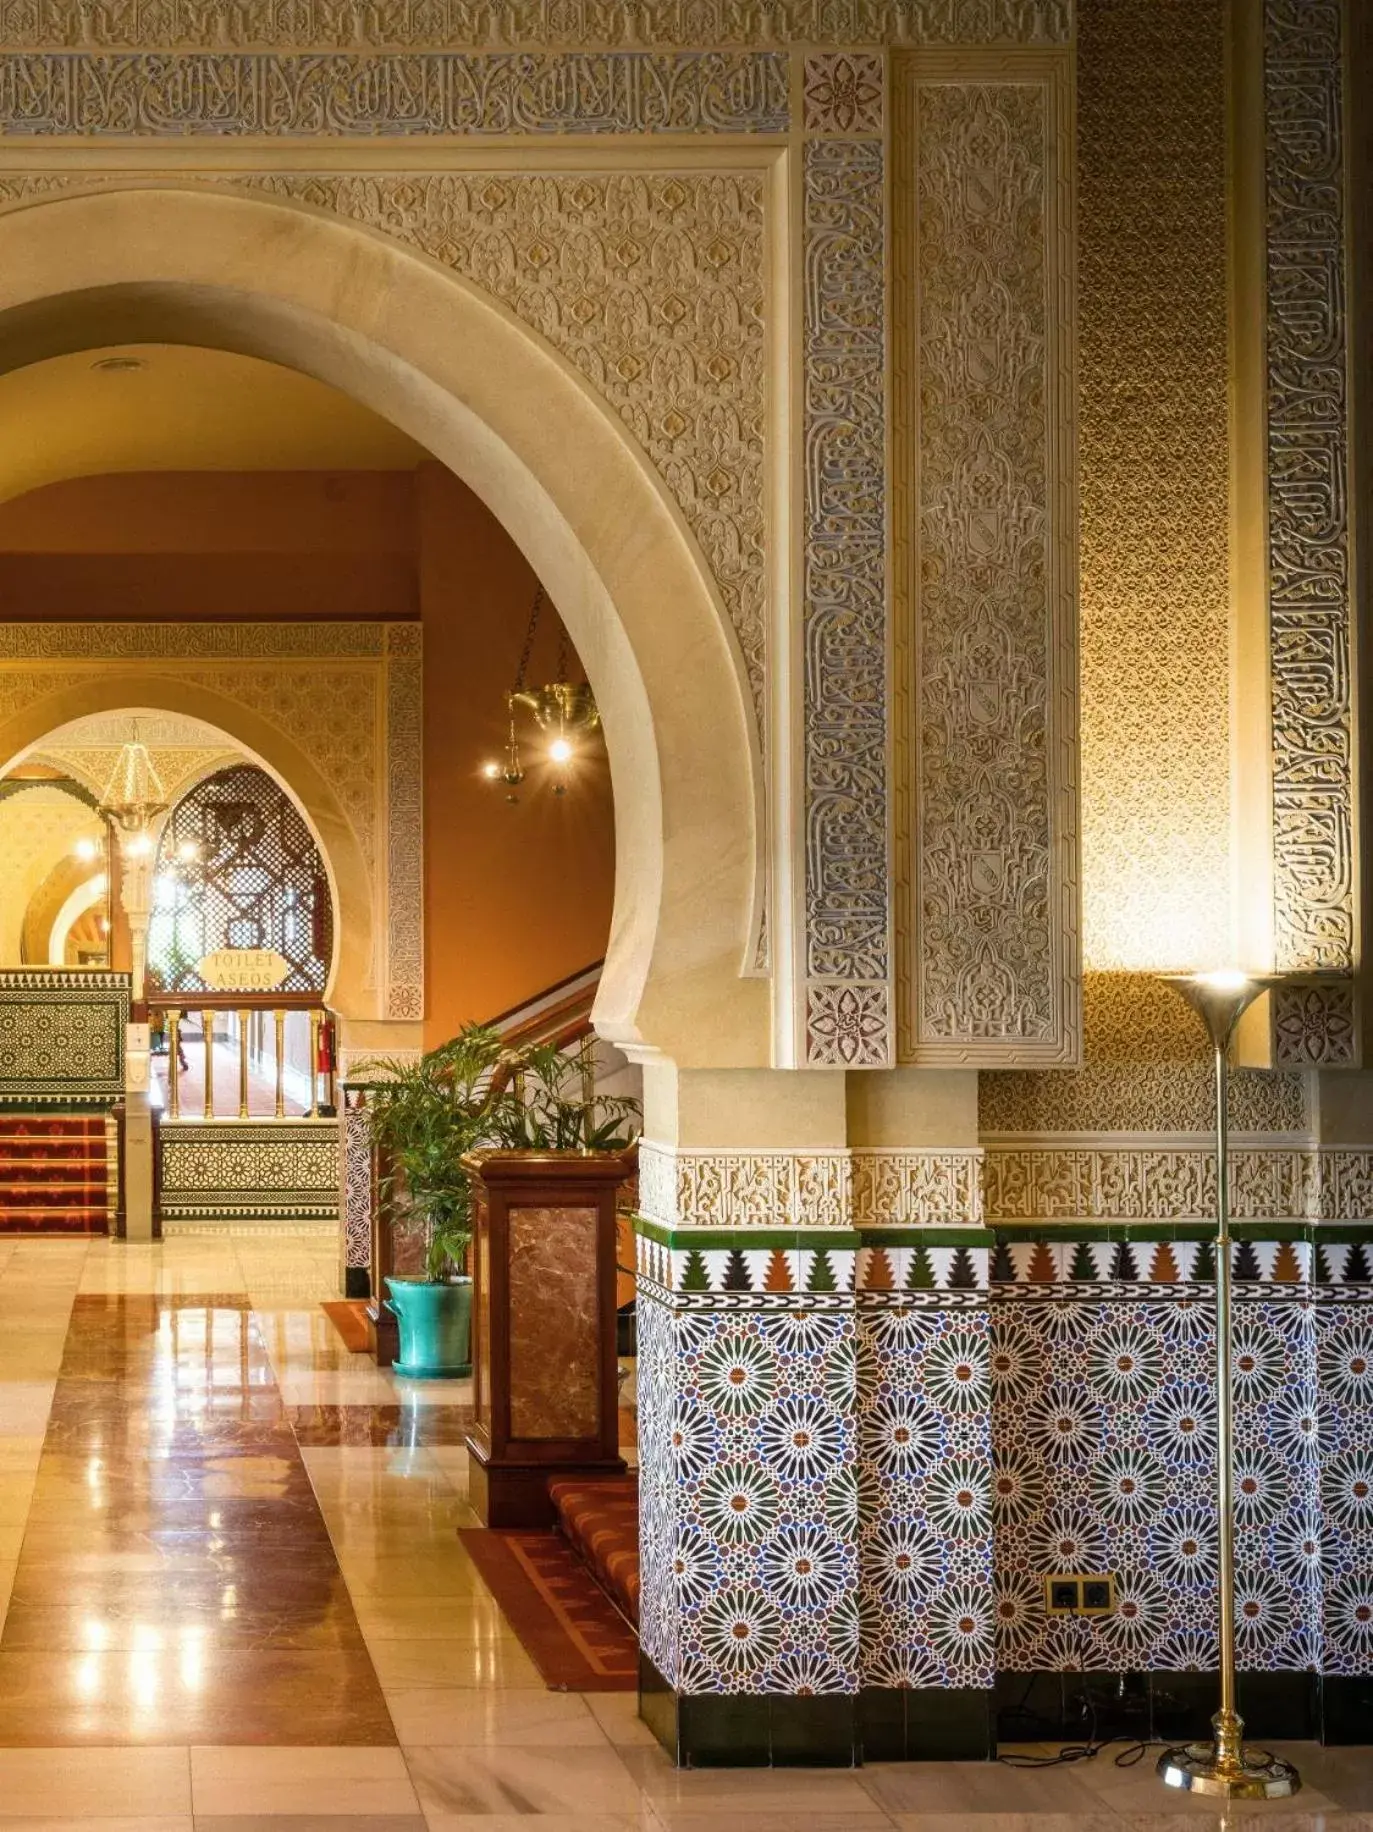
(560,750)
(491,771)
(86,849)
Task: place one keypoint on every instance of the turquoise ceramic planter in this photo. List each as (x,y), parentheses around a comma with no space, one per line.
(435,1328)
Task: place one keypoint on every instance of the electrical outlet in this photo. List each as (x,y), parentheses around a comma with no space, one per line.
(1098,1595)
(1062,1596)
(1068,1594)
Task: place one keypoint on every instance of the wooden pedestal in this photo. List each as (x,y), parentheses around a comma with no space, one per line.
(544,1388)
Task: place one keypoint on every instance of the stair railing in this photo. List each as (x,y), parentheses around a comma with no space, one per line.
(176,1007)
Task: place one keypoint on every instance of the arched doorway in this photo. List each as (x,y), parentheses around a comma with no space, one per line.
(486,395)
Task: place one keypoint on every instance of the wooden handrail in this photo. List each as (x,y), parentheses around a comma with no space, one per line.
(236,1001)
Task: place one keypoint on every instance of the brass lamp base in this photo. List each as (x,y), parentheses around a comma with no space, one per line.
(1227,1768)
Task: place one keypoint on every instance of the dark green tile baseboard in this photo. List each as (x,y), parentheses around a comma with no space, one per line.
(1346,1705)
(967,1725)
(833,1731)
(930,1724)
(1160,1707)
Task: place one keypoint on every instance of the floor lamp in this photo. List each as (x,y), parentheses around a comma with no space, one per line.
(1224,1766)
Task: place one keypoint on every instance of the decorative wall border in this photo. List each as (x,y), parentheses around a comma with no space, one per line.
(62,1036)
(847,943)
(526,24)
(1313,812)
(985,573)
(843,1188)
(400,94)
(1173,1181)
(404,876)
(273,1169)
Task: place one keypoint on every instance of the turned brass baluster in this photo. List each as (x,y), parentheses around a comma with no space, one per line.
(279,1018)
(314,1064)
(207,1019)
(174,1065)
(243,1018)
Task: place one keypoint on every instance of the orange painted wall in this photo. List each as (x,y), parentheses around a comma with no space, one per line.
(519,897)
(516,898)
(224,545)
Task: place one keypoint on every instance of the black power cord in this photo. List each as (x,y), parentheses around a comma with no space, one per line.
(1135,1747)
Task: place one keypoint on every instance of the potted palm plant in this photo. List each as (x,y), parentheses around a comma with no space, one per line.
(556,1107)
(424,1116)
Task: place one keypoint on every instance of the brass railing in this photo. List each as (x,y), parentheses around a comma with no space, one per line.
(175,1007)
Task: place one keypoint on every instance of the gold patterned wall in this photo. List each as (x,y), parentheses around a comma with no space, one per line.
(1153,364)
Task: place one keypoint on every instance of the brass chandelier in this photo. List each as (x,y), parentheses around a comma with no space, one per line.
(563,711)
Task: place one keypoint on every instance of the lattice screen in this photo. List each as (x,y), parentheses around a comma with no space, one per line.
(237,867)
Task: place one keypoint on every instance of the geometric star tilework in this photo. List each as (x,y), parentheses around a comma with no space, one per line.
(1344,1372)
(925,1532)
(749,1498)
(857,1469)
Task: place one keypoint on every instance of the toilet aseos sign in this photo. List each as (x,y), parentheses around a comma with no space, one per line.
(243,970)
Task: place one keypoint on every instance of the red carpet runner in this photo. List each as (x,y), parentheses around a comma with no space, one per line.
(56,1174)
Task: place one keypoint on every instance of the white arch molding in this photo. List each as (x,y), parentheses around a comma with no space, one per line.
(182,263)
(88,893)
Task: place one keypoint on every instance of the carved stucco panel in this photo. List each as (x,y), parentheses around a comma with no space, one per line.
(847,892)
(1154,460)
(993,907)
(1308,508)
(652,285)
(391,94)
(528,24)
(1043,1184)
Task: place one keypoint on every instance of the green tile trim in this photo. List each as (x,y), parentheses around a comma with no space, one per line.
(715,1239)
(1007,1233)
(877,1235)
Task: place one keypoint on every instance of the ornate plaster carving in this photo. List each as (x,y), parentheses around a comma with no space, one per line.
(917,1188)
(843,91)
(1147,1068)
(809,1189)
(1173,1182)
(652,285)
(404,821)
(845,616)
(987,583)
(526,24)
(1154,456)
(395,93)
(1308,510)
(1315,1026)
(743,1189)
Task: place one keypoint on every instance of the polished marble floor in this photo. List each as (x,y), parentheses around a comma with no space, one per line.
(236,1599)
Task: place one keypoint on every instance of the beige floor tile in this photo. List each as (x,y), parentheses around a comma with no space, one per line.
(133,1783)
(592,1783)
(422,1575)
(981,1787)
(1137,1790)
(1005,1822)
(430,1618)
(519,1717)
(311,1822)
(617,1713)
(497,1661)
(759,1819)
(744,1791)
(349,1781)
(641,1821)
(83,1822)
